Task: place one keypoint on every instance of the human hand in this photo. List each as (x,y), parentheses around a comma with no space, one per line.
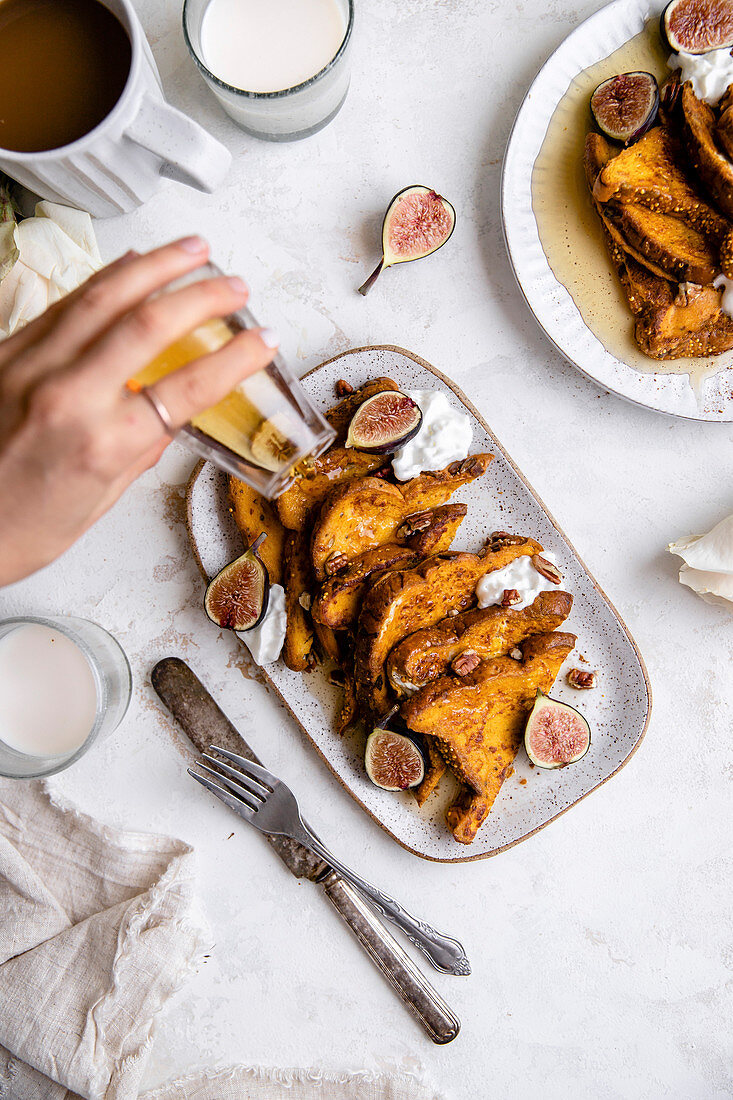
(72,436)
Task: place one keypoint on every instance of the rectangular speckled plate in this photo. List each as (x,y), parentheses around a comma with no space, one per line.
(618,709)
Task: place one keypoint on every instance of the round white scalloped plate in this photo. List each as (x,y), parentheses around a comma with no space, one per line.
(618,710)
(548,299)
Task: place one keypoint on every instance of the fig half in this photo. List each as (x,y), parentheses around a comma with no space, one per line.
(384,423)
(237,597)
(556,734)
(697,26)
(393,761)
(625,106)
(418,222)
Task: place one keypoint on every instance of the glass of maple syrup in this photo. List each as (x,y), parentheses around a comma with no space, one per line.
(261,431)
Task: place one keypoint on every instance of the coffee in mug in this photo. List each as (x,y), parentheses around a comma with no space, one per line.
(83,120)
(63,66)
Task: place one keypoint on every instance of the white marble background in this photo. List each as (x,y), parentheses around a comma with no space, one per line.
(602,947)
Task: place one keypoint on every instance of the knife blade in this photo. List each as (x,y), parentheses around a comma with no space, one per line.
(205,724)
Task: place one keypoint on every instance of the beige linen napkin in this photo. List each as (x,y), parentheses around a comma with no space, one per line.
(97,929)
(95,935)
(240,1083)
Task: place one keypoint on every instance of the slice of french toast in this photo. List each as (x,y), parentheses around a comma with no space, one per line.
(477,722)
(699,129)
(254,514)
(370,512)
(479,634)
(672,320)
(405,600)
(338,601)
(652,173)
(301,500)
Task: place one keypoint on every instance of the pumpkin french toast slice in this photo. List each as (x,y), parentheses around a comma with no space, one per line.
(477,722)
(473,636)
(298,652)
(459,644)
(303,497)
(406,600)
(254,514)
(338,601)
(651,173)
(669,244)
(700,133)
(368,513)
(672,320)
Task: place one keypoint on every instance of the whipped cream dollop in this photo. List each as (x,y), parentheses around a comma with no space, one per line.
(519,574)
(444,437)
(708,568)
(726,299)
(265,641)
(709,73)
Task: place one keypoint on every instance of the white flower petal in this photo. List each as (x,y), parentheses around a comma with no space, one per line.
(713,551)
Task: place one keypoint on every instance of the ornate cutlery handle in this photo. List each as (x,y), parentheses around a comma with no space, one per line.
(426,1004)
(445,953)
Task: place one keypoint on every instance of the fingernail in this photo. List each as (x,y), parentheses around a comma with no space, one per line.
(269,337)
(194,245)
(238,285)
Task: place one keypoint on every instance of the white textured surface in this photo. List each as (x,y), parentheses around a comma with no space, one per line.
(602,948)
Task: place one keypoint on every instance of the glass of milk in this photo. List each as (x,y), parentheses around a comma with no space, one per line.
(64,684)
(280,68)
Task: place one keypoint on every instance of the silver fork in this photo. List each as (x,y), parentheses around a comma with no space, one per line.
(266,802)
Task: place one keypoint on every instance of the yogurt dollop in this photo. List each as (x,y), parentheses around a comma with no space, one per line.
(265,641)
(709,73)
(444,437)
(519,574)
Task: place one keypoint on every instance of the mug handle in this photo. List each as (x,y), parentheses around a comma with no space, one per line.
(188,153)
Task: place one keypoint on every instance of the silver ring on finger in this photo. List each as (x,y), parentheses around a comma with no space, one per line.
(163,415)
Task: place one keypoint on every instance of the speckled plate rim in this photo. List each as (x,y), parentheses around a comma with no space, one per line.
(201,468)
(548,299)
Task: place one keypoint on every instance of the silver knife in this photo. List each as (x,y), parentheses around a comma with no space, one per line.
(205,723)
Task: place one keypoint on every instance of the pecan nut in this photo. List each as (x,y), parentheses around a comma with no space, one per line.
(465,662)
(546,569)
(581,679)
(343,388)
(510,597)
(498,539)
(336,563)
(416,521)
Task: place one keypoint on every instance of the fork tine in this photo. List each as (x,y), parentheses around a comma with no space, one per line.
(256,789)
(254,771)
(246,796)
(225,796)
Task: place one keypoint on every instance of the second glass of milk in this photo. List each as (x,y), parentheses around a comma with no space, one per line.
(280,68)
(64,684)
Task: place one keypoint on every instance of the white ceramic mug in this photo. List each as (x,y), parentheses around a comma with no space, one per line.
(119,164)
